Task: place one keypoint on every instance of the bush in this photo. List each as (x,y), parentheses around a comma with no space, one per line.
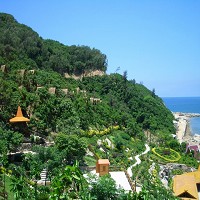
(125,136)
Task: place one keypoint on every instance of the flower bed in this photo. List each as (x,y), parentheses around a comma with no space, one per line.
(106,131)
(167,154)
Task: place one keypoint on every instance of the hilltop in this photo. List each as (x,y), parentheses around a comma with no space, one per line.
(23,48)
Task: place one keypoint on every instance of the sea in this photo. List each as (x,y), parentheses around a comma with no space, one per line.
(185,105)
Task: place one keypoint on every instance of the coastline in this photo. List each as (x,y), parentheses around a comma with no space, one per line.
(183,129)
(188,131)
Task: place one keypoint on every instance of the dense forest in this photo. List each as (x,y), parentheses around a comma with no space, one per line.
(73,114)
(123,102)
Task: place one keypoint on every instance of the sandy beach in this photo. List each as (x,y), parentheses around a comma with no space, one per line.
(180,122)
(183,131)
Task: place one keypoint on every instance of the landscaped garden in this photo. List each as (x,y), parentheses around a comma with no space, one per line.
(167,154)
(118,147)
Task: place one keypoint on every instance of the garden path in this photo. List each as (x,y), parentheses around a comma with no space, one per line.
(138,161)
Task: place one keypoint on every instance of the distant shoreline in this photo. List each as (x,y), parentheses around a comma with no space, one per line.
(189,115)
(183,127)
(184,105)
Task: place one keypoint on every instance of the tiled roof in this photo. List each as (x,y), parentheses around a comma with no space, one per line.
(186,183)
(194,147)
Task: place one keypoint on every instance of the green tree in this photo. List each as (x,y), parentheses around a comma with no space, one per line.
(20,185)
(71,147)
(154,191)
(104,188)
(68,183)
(9,140)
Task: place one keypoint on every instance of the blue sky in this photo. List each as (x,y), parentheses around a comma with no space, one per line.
(156,41)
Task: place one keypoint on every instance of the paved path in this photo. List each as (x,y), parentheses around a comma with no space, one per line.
(120,177)
(138,161)
(121,180)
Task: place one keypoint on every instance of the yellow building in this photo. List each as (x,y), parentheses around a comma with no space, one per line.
(187,186)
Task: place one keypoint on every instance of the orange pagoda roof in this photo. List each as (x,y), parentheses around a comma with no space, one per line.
(19,117)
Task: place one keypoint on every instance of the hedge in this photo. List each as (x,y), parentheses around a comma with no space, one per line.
(171,150)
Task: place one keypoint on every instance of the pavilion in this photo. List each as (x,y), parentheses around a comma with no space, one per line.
(20,120)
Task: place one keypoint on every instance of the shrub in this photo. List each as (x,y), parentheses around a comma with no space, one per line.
(125,136)
(106,131)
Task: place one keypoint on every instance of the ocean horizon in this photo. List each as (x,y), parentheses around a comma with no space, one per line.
(185,105)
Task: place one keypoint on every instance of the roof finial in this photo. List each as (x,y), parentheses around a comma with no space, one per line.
(19,117)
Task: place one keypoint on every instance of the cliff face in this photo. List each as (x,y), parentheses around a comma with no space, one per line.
(85,74)
(94,73)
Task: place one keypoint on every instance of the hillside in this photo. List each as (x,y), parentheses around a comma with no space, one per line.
(22,49)
(85,117)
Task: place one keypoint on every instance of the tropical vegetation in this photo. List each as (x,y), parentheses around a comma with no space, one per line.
(74,116)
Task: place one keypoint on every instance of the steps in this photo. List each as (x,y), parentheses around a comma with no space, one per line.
(43,175)
(43,178)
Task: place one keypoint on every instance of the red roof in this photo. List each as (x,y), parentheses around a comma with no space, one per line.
(193,147)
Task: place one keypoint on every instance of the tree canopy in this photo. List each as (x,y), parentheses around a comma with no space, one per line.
(22,48)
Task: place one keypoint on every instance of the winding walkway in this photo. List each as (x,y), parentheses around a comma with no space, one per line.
(138,161)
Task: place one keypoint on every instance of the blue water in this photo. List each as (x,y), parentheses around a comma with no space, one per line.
(186,105)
